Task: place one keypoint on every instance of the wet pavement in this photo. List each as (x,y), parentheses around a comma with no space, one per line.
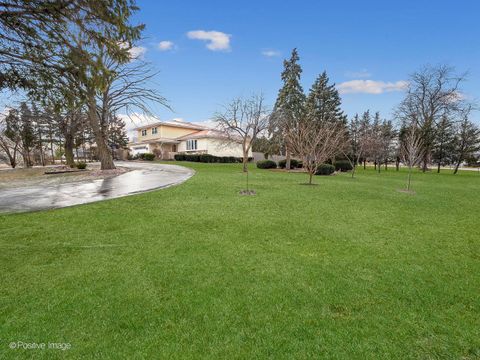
(143,177)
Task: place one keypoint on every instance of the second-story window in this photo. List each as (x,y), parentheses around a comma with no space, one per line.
(154,131)
(144,132)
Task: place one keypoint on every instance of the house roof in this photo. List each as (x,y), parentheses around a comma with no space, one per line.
(207,133)
(173,123)
(155,140)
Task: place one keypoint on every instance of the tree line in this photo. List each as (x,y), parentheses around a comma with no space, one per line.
(40,136)
(434,119)
(74,60)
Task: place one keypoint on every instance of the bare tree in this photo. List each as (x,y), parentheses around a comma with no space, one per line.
(243,121)
(315,143)
(412,150)
(10,141)
(433,92)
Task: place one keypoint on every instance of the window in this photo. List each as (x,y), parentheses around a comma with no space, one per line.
(154,131)
(144,132)
(191,144)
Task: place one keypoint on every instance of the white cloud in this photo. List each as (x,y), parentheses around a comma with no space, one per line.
(217,40)
(166,45)
(137,52)
(370,86)
(271,53)
(364,73)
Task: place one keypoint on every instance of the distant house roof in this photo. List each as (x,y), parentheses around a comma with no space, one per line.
(173,123)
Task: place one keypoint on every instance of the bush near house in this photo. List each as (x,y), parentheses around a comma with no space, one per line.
(343,165)
(266,164)
(294,164)
(144,156)
(325,169)
(207,158)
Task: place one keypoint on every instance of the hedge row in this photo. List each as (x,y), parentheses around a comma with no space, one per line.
(343,165)
(266,164)
(207,158)
(325,169)
(294,164)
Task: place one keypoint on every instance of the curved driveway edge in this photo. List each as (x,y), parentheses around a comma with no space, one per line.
(143,177)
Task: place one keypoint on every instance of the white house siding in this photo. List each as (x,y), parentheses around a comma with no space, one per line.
(139,149)
(214,147)
(220,148)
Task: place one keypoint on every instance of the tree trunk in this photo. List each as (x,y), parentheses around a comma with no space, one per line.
(386,164)
(12,158)
(104,155)
(245,164)
(438,168)
(53,153)
(364,164)
(26,158)
(425,164)
(245,157)
(288,160)
(457,165)
(311,178)
(409,177)
(69,150)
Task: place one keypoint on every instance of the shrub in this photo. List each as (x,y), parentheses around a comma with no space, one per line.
(343,165)
(81,165)
(266,164)
(293,163)
(192,157)
(148,156)
(325,169)
(207,158)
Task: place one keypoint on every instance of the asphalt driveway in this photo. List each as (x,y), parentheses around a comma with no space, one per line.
(144,176)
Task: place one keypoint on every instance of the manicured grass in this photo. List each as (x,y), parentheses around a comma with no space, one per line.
(348,269)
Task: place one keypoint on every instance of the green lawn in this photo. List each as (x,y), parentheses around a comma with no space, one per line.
(348,269)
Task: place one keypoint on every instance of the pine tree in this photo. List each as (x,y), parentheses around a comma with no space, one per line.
(388,134)
(27,133)
(466,141)
(290,103)
(323,102)
(117,133)
(364,136)
(443,143)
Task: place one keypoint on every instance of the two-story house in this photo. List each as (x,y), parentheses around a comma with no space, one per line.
(167,138)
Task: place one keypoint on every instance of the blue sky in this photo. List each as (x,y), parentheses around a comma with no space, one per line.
(382,41)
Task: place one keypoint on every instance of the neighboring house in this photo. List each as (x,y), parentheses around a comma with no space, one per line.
(165,139)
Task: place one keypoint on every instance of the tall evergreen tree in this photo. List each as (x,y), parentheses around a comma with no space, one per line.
(290,103)
(466,142)
(323,102)
(364,136)
(117,133)
(27,133)
(443,143)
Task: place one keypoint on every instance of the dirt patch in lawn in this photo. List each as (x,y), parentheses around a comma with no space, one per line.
(20,177)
